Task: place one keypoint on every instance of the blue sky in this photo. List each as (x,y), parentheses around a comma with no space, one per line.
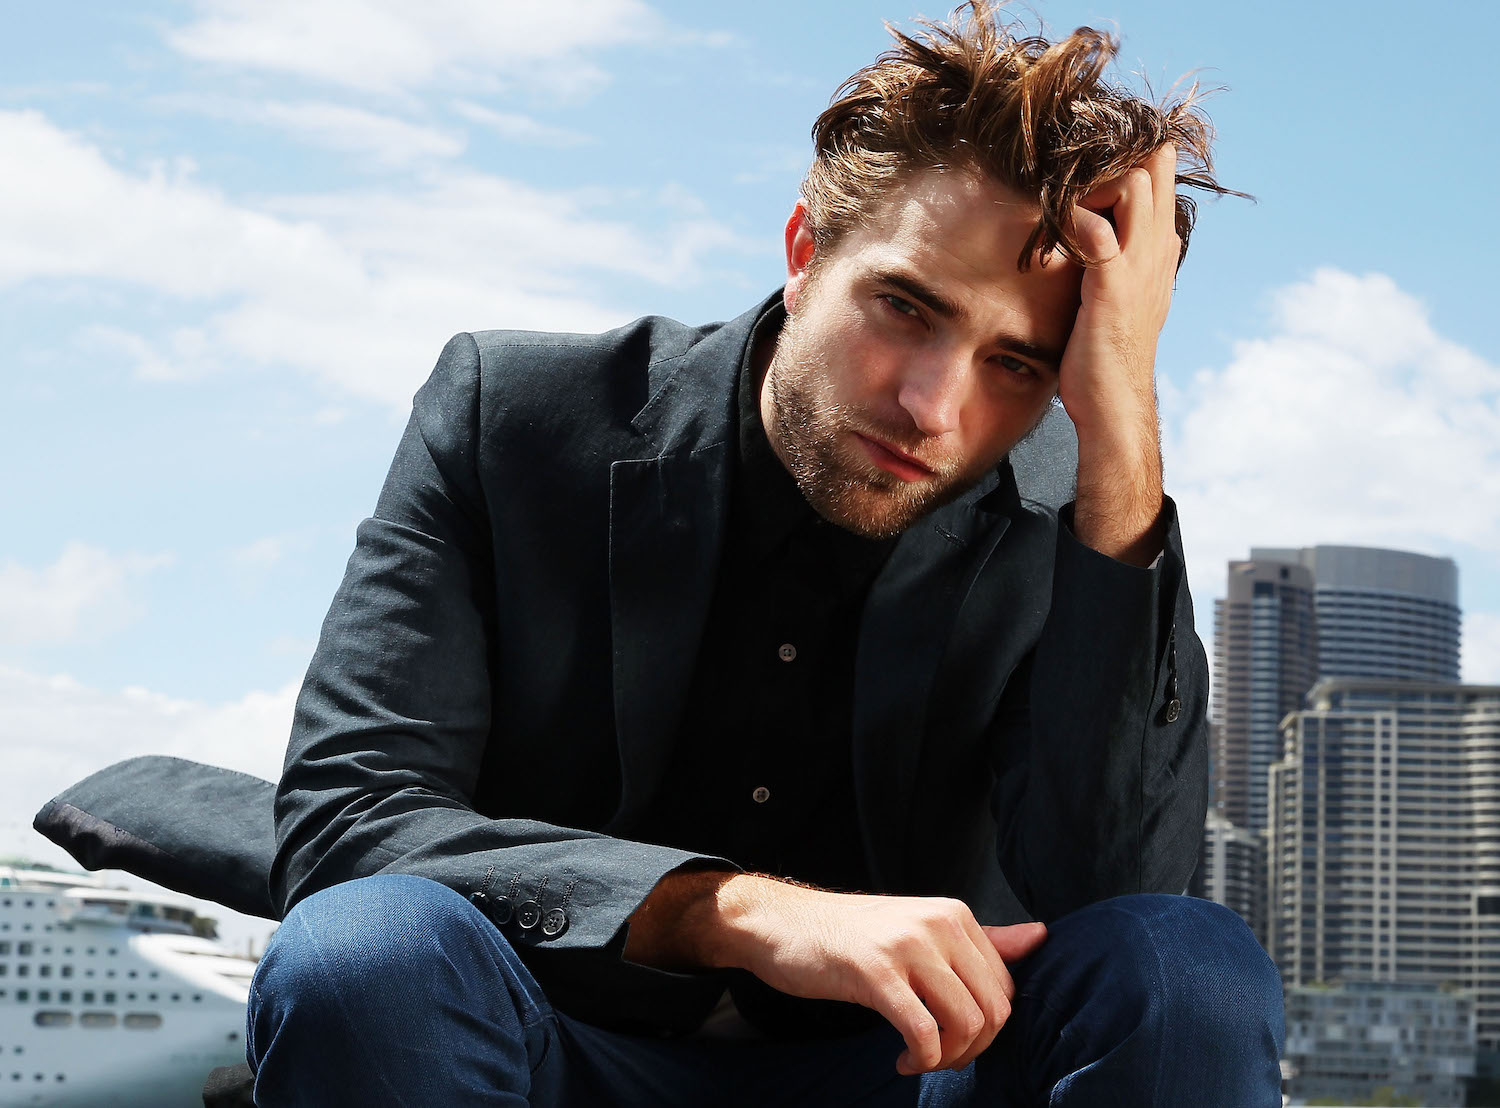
(235,234)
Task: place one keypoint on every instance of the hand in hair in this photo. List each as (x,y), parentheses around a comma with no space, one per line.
(1107,380)
(923,963)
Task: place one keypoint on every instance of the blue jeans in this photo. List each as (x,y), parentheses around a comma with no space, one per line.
(395,990)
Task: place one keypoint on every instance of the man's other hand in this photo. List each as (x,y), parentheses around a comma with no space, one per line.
(1107,380)
(924,963)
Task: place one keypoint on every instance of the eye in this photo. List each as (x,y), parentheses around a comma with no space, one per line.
(900,306)
(1015,365)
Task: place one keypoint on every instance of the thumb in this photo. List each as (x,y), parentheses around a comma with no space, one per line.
(1016,941)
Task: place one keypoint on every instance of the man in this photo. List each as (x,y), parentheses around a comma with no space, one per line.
(662,643)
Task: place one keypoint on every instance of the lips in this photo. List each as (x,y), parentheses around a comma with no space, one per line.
(894,460)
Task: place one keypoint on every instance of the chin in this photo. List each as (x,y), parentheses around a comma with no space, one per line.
(873,513)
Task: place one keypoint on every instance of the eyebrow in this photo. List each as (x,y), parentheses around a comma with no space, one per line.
(950,309)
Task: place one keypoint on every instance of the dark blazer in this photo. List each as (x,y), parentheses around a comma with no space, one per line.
(503,669)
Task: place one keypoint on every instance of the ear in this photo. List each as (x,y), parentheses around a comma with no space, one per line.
(799,253)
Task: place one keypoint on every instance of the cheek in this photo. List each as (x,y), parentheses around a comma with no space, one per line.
(1001,422)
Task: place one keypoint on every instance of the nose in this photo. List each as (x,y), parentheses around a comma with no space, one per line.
(933,390)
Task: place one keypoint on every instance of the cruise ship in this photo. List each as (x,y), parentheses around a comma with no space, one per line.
(111,997)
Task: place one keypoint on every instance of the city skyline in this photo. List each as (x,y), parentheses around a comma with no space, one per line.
(233,238)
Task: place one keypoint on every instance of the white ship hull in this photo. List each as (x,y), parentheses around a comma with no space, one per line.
(109,998)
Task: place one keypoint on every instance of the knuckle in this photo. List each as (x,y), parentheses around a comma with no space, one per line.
(948,913)
(901,944)
(995,1018)
(929,1041)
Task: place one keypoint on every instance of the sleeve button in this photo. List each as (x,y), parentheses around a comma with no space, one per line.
(1173,711)
(528,915)
(554,923)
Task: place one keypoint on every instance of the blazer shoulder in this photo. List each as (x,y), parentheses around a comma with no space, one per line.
(615,365)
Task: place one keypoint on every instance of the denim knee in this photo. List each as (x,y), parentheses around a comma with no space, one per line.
(1196,966)
(393,990)
(366,944)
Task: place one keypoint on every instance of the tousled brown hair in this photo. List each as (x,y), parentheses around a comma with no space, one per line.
(1033,115)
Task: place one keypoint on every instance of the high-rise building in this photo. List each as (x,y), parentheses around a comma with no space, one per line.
(1232,871)
(1386,614)
(1384,840)
(1265,659)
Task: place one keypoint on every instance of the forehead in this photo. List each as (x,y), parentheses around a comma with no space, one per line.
(962,233)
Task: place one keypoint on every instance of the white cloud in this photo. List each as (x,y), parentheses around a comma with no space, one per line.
(260,555)
(66,212)
(518,128)
(383,139)
(1481,648)
(392,46)
(83,595)
(1352,421)
(359,289)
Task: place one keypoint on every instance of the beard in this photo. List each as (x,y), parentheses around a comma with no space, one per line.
(814,436)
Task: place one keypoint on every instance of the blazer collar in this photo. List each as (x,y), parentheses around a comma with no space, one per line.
(692,392)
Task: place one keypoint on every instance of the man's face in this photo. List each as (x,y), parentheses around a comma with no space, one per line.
(915,354)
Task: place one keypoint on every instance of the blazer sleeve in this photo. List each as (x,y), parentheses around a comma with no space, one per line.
(1101,750)
(394,717)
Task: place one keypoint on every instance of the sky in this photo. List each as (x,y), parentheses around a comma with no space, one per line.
(234,235)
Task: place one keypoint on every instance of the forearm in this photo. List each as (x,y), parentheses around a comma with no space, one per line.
(1118,507)
(697,919)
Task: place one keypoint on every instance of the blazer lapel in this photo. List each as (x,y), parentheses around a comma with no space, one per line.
(908,618)
(667,514)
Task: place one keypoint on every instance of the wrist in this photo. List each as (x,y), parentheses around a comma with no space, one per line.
(733,920)
(676,926)
(1118,508)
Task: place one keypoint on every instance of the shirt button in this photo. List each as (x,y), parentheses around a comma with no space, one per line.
(787,652)
(761,795)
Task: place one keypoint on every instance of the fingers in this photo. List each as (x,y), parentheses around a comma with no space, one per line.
(1133,208)
(906,1012)
(961,1020)
(948,1007)
(1016,941)
(1162,166)
(988,982)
